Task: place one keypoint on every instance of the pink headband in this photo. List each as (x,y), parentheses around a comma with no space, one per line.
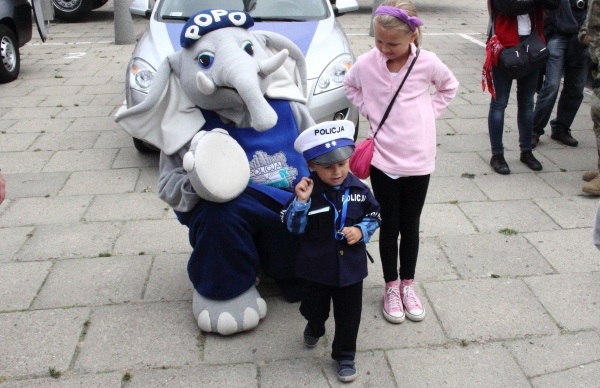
(412,21)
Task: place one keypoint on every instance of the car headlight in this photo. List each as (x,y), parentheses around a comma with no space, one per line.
(333,75)
(141,75)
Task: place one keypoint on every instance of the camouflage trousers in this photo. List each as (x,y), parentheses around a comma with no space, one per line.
(595,113)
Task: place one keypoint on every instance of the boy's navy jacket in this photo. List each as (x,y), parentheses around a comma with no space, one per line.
(322,258)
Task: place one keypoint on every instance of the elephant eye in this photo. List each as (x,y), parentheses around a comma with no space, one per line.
(248,47)
(205,60)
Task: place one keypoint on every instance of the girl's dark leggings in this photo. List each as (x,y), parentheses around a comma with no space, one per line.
(401,202)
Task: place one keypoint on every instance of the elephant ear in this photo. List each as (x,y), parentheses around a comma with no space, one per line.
(167,118)
(289,81)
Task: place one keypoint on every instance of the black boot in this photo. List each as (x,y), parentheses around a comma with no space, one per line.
(499,164)
(565,138)
(530,160)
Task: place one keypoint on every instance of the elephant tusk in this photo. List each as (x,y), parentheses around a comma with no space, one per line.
(269,65)
(204,84)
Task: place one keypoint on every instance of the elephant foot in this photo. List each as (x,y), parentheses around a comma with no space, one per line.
(226,317)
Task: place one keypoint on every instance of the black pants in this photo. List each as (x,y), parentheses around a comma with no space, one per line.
(401,202)
(347,307)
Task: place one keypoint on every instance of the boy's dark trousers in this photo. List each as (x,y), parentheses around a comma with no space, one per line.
(347,308)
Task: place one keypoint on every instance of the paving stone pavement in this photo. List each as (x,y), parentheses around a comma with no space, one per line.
(93,283)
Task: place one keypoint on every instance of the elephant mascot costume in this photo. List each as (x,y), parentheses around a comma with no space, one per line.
(224,112)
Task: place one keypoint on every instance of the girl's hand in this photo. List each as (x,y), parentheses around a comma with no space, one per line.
(352,234)
(304,189)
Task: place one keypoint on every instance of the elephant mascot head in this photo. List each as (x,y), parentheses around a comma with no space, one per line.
(224,112)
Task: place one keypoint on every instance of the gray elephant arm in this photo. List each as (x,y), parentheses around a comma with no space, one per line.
(174,187)
(302,115)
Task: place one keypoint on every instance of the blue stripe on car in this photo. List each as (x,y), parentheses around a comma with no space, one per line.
(301,36)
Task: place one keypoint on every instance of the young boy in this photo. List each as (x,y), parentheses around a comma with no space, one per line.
(336,214)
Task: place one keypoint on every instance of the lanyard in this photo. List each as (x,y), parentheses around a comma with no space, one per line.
(338,232)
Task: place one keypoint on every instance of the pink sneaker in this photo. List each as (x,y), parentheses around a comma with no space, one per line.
(412,304)
(392,305)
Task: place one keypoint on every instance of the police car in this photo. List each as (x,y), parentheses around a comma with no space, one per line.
(311,24)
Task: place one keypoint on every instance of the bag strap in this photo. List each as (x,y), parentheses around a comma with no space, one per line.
(389,108)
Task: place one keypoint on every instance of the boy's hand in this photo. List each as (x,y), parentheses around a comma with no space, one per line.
(352,234)
(304,189)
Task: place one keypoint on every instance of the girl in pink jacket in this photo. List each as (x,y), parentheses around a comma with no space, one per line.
(405,145)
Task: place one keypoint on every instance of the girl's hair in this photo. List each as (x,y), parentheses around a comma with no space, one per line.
(391,22)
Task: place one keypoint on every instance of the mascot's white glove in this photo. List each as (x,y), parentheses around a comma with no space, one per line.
(217,166)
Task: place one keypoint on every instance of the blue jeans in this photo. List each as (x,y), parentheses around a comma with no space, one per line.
(568,57)
(525,91)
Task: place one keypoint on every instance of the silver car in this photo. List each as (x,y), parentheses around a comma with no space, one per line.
(311,24)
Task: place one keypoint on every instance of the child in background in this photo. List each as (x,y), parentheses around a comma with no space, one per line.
(405,146)
(336,214)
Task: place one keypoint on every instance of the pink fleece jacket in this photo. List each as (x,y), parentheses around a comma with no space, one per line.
(406,143)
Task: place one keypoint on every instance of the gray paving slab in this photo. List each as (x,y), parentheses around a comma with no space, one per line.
(557,292)
(100,182)
(152,236)
(96,281)
(35,184)
(12,239)
(483,255)
(32,342)
(16,142)
(169,280)
(19,284)
(567,250)
(65,141)
(69,241)
(45,210)
(126,206)
(469,366)
(492,217)
(445,189)
(149,335)
(100,380)
(538,356)
(81,160)
(82,226)
(489,309)
(238,375)
(582,376)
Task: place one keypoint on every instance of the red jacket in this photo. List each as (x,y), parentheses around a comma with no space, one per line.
(505,27)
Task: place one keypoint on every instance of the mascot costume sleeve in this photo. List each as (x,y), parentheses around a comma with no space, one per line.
(225,112)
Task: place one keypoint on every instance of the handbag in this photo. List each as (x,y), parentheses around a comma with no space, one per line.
(360,161)
(523,59)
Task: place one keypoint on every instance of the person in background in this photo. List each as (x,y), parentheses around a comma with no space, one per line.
(569,59)
(590,34)
(512,22)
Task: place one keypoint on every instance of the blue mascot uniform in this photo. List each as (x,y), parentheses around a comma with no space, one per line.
(232,239)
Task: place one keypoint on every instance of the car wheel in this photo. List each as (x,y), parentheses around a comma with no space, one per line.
(9,53)
(71,10)
(99,3)
(144,147)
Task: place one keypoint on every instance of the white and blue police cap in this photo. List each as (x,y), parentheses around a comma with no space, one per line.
(209,20)
(327,143)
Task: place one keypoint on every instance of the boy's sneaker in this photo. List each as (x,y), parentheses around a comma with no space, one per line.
(412,304)
(392,304)
(310,339)
(346,370)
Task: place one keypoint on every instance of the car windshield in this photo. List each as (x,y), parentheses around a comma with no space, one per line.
(261,10)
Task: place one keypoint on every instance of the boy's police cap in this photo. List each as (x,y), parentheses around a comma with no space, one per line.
(209,20)
(327,143)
